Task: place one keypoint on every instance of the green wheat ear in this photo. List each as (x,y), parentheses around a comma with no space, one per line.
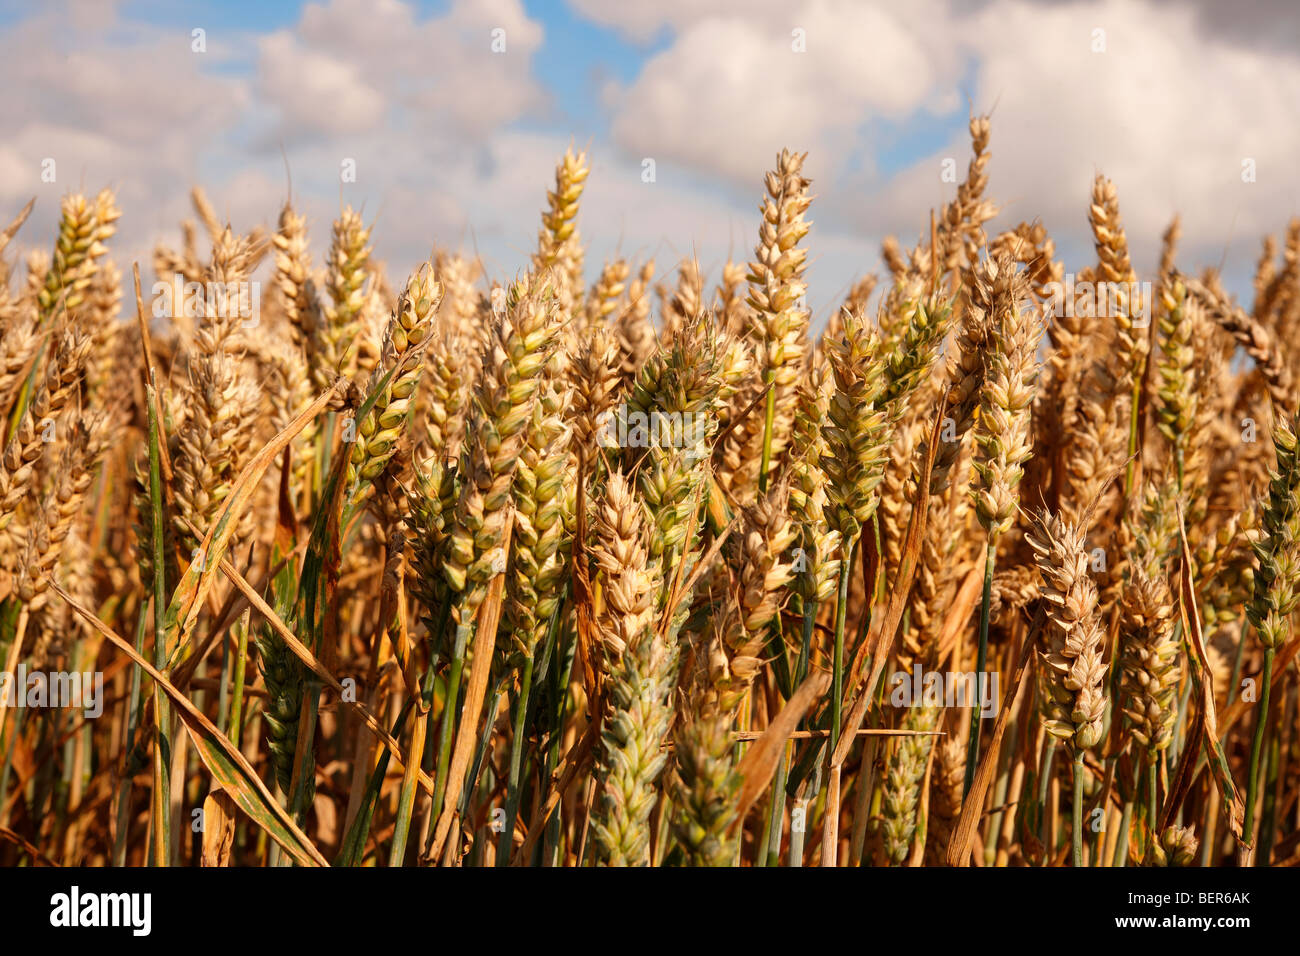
(285,679)
(1275,591)
(706,789)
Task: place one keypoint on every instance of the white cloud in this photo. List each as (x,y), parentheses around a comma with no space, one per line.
(123,103)
(356,65)
(139,114)
(316,92)
(431,116)
(1169,110)
(731,91)
(641,22)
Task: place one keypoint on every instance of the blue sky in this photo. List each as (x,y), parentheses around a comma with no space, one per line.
(455,146)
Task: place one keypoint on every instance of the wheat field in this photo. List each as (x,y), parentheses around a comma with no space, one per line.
(334,564)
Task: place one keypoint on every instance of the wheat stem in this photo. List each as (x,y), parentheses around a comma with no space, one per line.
(1044,781)
(517,745)
(162,705)
(973,748)
(1256,745)
(1077,834)
(776,817)
(769,421)
(446,725)
(837,673)
(128,744)
(406,799)
(1120,858)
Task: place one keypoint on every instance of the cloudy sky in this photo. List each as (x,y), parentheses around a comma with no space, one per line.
(455,143)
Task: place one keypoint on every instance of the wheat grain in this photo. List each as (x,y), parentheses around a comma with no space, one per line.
(707,785)
(856,429)
(1072,657)
(776,292)
(1002,436)
(503,407)
(1150,661)
(402,359)
(337,322)
(559,247)
(1275,591)
(56,388)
